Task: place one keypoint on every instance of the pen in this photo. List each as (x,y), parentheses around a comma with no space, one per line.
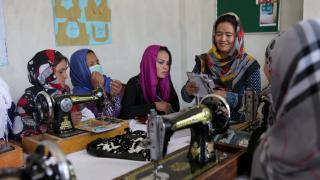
(171,110)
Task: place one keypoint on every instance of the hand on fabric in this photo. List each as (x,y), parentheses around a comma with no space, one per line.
(76,117)
(163,106)
(116,87)
(220,93)
(97,80)
(191,88)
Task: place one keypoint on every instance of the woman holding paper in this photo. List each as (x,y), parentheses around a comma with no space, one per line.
(232,70)
(152,88)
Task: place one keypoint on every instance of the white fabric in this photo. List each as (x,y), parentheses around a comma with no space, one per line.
(5,104)
(87,114)
(91,167)
(3,118)
(136,125)
(17,125)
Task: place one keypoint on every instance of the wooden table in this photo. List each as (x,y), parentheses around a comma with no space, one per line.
(176,166)
(71,144)
(12,158)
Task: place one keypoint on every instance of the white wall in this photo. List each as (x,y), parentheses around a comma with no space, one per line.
(311,9)
(183,25)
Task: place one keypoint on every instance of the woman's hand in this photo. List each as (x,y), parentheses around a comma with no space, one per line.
(191,88)
(97,80)
(163,106)
(76,117)
(220,93)
(116,87)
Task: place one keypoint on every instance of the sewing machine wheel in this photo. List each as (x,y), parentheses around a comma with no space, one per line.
(44,105)
(52,166)
(221,110)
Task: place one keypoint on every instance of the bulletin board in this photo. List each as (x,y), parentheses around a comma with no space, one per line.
(255,15)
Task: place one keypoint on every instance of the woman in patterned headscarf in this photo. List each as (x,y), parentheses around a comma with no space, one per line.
(228,65)
(46,72)
(290,149)
(152,88)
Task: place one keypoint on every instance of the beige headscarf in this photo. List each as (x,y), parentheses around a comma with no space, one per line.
(291,148)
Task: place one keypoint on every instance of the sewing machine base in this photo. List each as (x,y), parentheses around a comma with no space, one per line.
(70,134)
(11,156)
(245,126)
(72,143)
(177,166)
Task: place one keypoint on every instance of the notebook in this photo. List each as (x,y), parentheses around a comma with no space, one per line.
(96,126)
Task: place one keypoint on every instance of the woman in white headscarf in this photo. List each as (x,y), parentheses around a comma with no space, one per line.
(290,149)
(5,105)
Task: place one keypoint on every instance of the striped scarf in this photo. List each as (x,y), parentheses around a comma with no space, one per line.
(290,149)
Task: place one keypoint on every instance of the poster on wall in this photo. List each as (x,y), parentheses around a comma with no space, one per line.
(268,12)
(3,47)
(82,22)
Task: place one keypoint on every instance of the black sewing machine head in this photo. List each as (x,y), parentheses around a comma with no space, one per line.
(41,165)
(56,110)
(205,120)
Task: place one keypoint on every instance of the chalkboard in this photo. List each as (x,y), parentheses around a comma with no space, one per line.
(255,17)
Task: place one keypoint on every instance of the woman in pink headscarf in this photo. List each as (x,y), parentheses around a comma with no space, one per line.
(152,88)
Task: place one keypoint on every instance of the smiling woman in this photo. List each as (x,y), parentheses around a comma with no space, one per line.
(228,65)
(152,88)
(224,37)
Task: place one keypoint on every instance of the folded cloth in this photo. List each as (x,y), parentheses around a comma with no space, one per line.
(127,146)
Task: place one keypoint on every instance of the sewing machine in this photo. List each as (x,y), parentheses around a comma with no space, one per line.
(205,120)
(203,158)
(55,110)
(251,103)
(42,165)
